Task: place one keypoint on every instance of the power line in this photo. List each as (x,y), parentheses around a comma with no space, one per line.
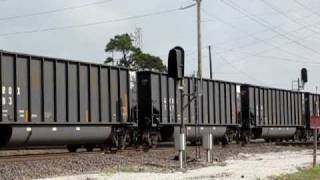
(259,40)
(188,6)
(286,16)
(92,24)
(253,14)
(307,8)
(273,48)
(266,24)
(240,71)
(259,32)
(286,43)
(53,11)
(266,50)
(273,58)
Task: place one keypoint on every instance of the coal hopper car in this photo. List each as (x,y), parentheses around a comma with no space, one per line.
(272,114)
(159,100)
(50,101)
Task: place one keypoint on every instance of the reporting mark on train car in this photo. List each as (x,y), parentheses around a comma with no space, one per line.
(7,95)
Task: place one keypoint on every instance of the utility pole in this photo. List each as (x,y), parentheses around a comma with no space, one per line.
(210,137)
(210,61)
(199,87)
(316,135)
(198,3)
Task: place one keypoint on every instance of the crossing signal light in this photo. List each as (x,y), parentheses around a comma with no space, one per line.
(176,63)
(304,75)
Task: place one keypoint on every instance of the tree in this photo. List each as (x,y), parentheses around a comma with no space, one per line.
(147,61)
(131,56)
(123,44)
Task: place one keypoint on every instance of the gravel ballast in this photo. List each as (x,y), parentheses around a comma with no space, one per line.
(160,160)
(245,166)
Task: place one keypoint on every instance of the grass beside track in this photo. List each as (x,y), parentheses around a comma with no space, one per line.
(305,174)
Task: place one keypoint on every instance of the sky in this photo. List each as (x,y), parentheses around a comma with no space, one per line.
(263,42)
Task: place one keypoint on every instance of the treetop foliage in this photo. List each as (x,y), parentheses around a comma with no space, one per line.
(131,56)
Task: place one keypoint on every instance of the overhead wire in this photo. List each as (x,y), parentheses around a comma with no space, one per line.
(266,30)
(242,72)
(310,61)
(92,23)
(267,3)
(272,58)
(256,33)
(53,10)
(258,14)
(266,24)
(285,59)
(259,40)
(307,8)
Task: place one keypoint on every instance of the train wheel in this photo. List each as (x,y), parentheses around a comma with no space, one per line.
(122,144)
(237,141)
(154,143)
(295,138)
(103,147)
(237,138)
(89,148)
(216,141)
(245,140)
(224,141)
(72,148)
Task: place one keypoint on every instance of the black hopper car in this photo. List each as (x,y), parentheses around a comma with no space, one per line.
(51,101)
(228,110)
(277,114)
(159,102)
(271,113)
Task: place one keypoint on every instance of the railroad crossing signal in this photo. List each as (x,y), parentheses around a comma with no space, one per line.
(176,63)
(304,75)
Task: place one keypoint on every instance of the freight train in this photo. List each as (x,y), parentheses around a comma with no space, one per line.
(51,101)
(227,110)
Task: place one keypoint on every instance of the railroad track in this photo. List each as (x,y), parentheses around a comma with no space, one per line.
(309,143)
(47,155)
(43,156)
